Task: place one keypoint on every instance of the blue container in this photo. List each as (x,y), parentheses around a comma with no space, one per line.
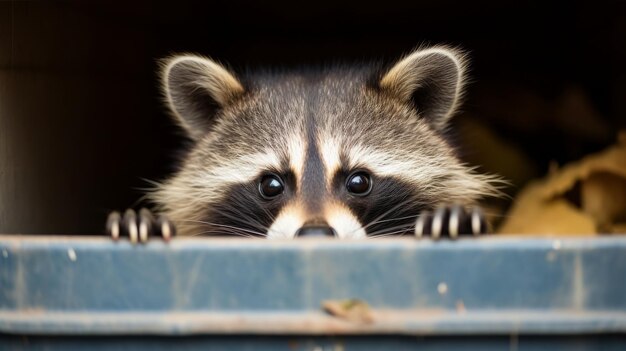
(494,293)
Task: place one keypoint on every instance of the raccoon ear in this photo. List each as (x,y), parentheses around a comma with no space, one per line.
(431,79)
(196,88)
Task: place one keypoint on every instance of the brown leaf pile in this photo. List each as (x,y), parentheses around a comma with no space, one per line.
(584,197)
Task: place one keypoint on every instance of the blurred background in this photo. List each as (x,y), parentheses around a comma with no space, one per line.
(82,124)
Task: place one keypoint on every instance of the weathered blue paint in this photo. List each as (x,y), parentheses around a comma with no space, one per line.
(495,286)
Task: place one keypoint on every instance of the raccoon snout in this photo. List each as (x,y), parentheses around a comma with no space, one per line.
(316,227)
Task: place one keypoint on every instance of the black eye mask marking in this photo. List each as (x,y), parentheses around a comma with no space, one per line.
(390,207)
(244,212)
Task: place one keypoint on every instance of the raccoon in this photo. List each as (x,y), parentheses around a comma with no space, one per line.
(346,151)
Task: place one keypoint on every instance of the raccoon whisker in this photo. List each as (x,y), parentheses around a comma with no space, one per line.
(386,213)
(219,233)
(269,215)
(405,228)
(210,224)
(240,217)
(246,219)
(214,232)
(243,219)
(391,230)
(223,232)
(384,235)
(396,219)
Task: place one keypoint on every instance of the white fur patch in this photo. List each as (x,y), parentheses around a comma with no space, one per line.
(389,163)
(289,220)
(297,154)
(330,151)
(340,218)
(243,169)
(292,217)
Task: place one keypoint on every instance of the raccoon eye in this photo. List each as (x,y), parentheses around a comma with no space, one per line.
(359,183)
(271,186)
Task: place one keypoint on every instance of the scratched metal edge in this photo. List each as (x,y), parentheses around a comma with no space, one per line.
(207,243)
(312,323)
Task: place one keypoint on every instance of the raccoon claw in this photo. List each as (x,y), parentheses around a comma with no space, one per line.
(139,226)
(451,221)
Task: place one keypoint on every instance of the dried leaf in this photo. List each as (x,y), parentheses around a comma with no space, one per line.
(353,310)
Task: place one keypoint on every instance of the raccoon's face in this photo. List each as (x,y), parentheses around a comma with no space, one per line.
(349,152)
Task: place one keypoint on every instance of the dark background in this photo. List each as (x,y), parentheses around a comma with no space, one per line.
(82,124)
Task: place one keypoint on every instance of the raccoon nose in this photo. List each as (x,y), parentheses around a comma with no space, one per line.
(316,227)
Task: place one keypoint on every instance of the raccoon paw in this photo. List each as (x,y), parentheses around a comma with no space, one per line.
(451,221)
(139,227)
